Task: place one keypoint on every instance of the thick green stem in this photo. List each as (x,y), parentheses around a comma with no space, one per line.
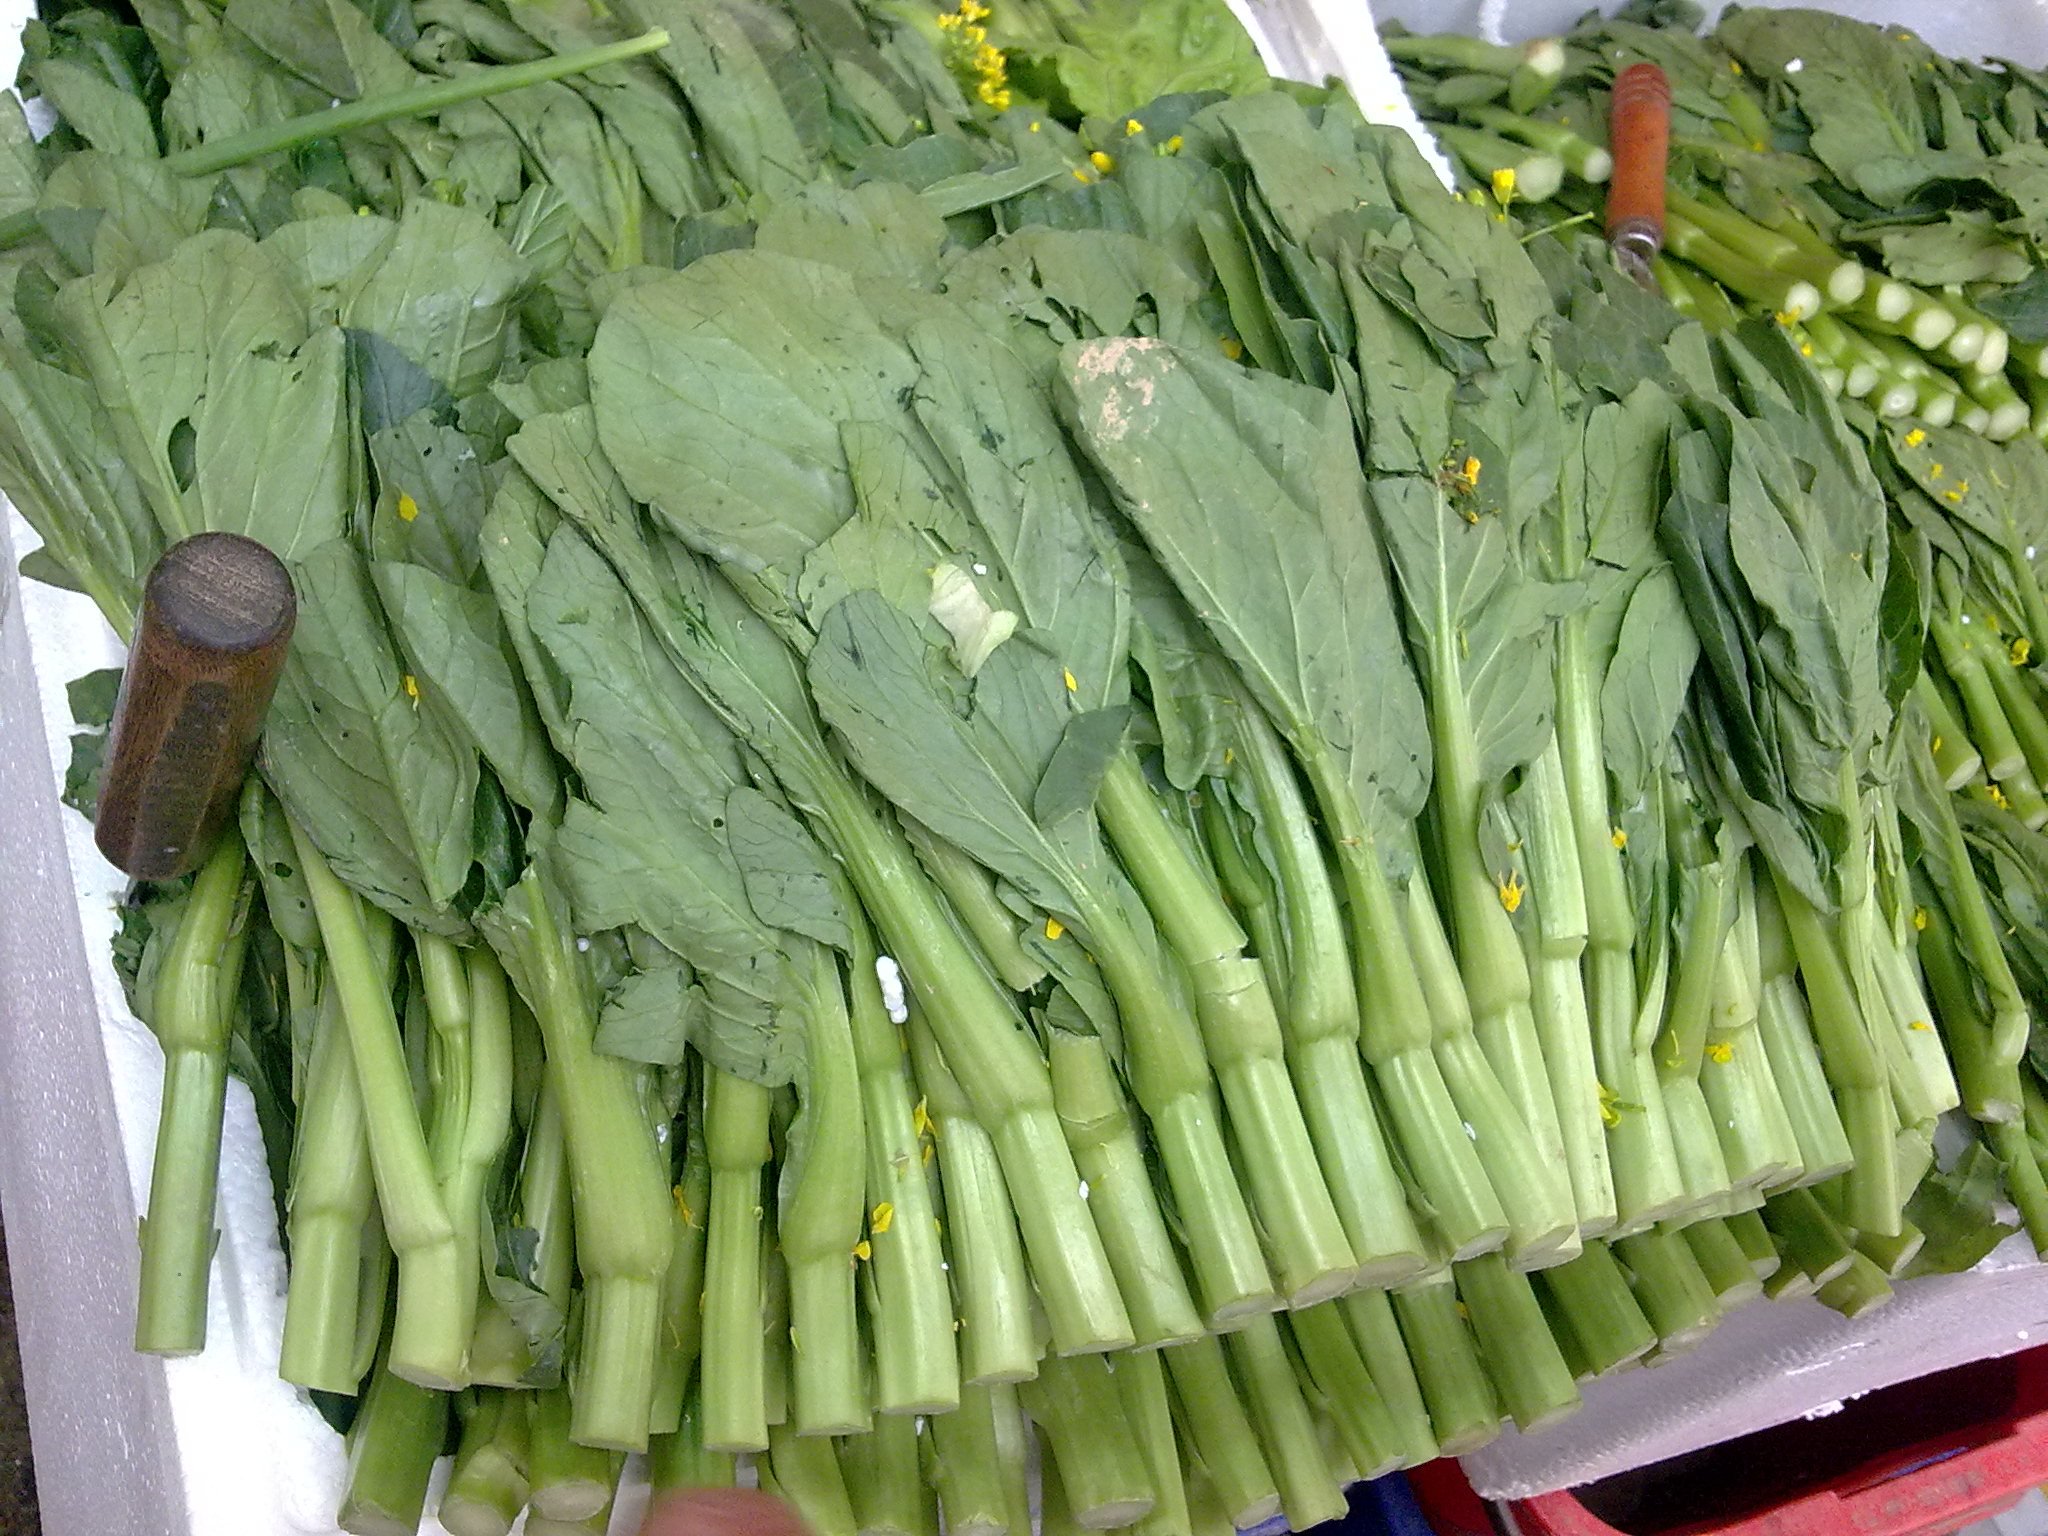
(987,1256)
(807,1475)
(1757,1139)
(680,1459)
(1141,1386)
(192,1017)
(1778,293)
(885,1481)
(1807,1234)
(430,1338)
(488,1488)
(1241,1034)
(1320,1021)
(1522,1358)
(917,1366)
(1377,1333)
(1219,1430)
(971,890)
(1689,1012)
(568,1481)
(1286,1430)
(682,1287)
(1592,1295)
(1075,1402)
(1367,1430)
(1396,1032)
(1860,1288)
(1462,1407)
(997,1063)
(821,1214)
(966,1464)
(392,1447)
(1723,1262)
(736,1139)
(1670,1288)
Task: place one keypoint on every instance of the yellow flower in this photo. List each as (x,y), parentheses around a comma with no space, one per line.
(988,59)
(408,509)
(1916,437)
(1922,1026)
(1035,125)
(1174,144)
(948,20)
(1504,184)
(1053,929)
(1082,176)
(1806,349)
(1610,1107)
(1067,677)
(1511,890)
(1102,161)
(1469,472)
(1998,798)
(1952,495)
(1734,66)
(1619,839)
(1132,127)
(878,1222)
(1934,471)
(863,1250)
(921,1119)
(1935,745)
(1232,348)
(1783,317)
(1919,919)
(1720,1052)
(975,35)
(411,685)
(2019,651)
(974,10)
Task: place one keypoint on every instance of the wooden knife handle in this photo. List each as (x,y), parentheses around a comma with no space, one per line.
(1639,133)
(217,616)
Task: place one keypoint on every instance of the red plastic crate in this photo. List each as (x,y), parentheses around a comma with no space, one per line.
(1917,1459)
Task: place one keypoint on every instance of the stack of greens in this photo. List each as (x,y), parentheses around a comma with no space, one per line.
(989,749)
(1883,203)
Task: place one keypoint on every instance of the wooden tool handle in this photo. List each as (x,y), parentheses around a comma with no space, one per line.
(1639,133)
(217,615)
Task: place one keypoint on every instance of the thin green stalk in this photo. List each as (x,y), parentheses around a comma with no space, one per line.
(807,1475)
(1783,1022)
(2025,1185)
(1779,293)
(393,106)
(1892,1255)
(1537,174)
(1219,1430)
(1990,731)
(996,1342)
(1240,1033)
(885,1481)
(736,1139)
(1320,1020)
(1308,1494)
(1536,1386)
(821,1214)
(1076,1404)
(1990,1089)
(1592,1295)
(568,1481)
(1325,1348)
(330,1204)
(1670,1288)
(680,1459)
(487,1487)
(1955,755)
(392,1447)
(1451,52)
(1689,1010)
(430,1338)
(1463,1410)
(618,1179)
(1377,1333)
(192,1017)
(966,1465)
(1554,946)
(1839,278)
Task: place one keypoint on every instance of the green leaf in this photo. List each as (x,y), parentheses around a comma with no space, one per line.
(877,229)
(1646,685)
(390,387)
(456,646)
(1247,489)
(946,753)
(383,782)
(651,1017)
(1961,247)
(105,116)
(443,294)
(1071,779)
(732,94)
(789,880)
(2023,308)
(720,394)
(431,498)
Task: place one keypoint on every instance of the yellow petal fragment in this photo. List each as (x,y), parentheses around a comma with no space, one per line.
(883,1214)
(1067,677)
(1619,838)
(1920,919)
(408,509)
(1720,1052)
(1916,437)
(1103,161)
(1053,929)
(1511,890)
(863,1249)
(2019,651)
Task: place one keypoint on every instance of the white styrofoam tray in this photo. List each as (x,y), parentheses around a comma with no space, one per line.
(217,1446)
